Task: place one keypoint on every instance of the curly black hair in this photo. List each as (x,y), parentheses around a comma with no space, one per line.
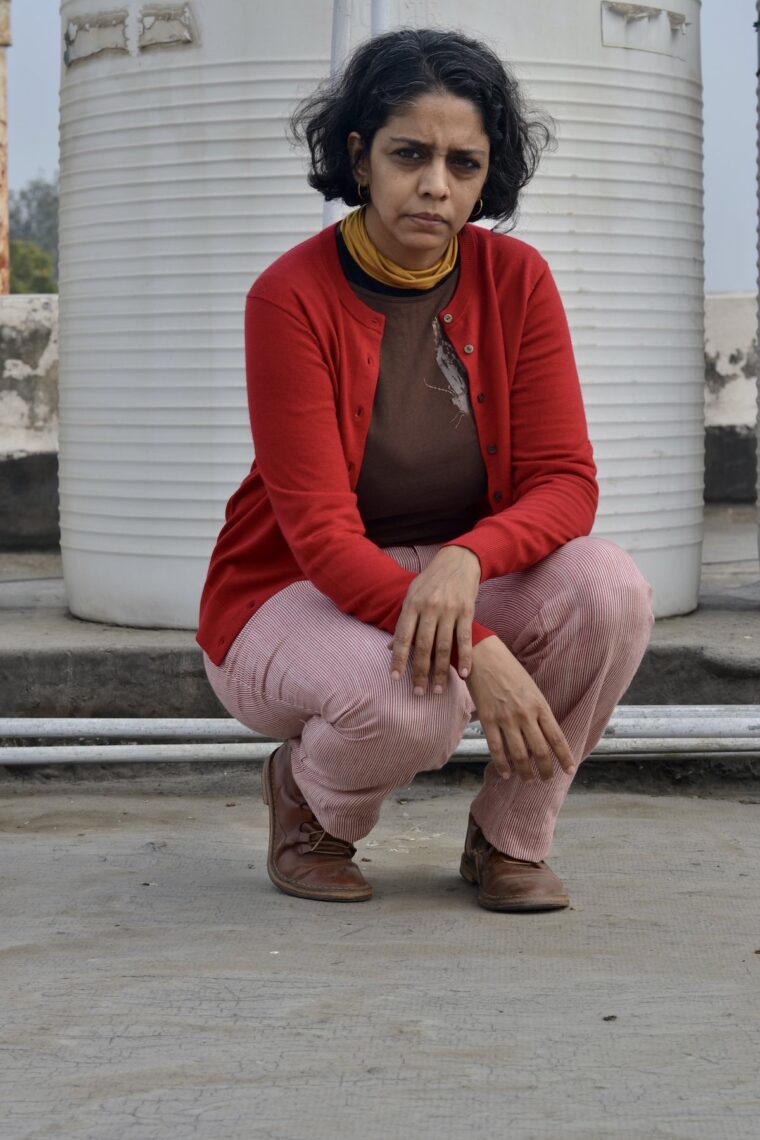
(386,74)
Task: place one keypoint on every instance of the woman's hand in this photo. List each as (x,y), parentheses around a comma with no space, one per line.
(513,710)
(439,604)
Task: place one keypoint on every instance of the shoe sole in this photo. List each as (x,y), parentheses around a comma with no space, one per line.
(288,886)
(469,874)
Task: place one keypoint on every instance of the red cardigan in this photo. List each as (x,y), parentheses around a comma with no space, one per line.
(312,355)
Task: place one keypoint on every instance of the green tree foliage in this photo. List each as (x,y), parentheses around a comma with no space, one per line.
(31,269)
(33,216)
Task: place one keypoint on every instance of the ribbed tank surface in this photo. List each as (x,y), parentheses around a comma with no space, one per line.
(178,186)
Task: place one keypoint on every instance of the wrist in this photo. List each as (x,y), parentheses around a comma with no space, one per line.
(467,557)
(485,645)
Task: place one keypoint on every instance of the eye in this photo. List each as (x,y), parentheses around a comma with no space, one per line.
(406,152)
(467,163)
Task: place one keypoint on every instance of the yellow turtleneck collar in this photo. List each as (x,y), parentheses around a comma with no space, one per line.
(363,250)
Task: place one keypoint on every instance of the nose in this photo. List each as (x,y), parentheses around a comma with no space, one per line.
(434,178)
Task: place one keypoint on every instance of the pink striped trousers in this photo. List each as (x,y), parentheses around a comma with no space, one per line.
(578,621)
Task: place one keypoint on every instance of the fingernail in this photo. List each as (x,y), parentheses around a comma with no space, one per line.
(395,675)
(464,673)
(438,689)
(418,692)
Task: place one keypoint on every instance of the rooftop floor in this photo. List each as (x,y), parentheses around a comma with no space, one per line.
(157,986)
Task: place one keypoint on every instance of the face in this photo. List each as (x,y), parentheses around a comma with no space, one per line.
(425,172)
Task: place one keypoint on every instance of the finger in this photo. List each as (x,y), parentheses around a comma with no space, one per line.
(557,742)
(518,753)
(464,646)
(423,647)
(539,750)
(496,748)
(402,641)
(442,660)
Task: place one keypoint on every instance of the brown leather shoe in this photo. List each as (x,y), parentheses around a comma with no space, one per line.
(506,883)
(304,860)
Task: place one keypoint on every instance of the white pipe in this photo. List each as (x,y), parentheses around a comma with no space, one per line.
(627,721)
(381,17)
(132,753)
(633,730)
(228,753)
(616,747)
(341,34)
(341,38)
(690,711)
(124,728)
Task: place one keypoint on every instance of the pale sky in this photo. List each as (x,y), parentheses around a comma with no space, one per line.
(729,59)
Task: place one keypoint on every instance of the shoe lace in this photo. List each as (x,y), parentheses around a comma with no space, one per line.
(320,840)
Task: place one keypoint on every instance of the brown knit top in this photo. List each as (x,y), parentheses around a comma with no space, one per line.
(422,478)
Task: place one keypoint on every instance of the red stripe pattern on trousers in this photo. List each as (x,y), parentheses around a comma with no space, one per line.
(301,669)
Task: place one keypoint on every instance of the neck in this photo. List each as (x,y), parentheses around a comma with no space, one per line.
(384,268)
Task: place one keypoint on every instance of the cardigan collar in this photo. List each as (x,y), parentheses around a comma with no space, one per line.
(327,243)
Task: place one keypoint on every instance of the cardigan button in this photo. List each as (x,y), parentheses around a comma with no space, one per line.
(492,449)
(498,496)
(481,397)
(469,348)
(448,318)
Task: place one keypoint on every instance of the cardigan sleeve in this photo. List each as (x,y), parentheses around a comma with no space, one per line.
(554,489)
(300,457)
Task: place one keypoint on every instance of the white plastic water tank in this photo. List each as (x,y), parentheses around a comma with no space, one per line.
(617,212)
(178,187)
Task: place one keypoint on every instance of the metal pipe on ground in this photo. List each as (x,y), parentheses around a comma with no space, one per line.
(228,753)
(627,721)
(633,731)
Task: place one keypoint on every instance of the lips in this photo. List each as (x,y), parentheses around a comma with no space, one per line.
(427,217)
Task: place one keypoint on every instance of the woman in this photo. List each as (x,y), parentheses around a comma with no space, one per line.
(407,552)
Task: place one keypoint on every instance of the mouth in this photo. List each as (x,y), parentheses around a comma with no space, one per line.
(429,219)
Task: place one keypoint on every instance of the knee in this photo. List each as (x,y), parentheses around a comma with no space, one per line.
(421,733)
(394,729)
(435,726)
(609,591)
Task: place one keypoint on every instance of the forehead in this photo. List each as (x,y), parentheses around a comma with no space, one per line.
(440,118)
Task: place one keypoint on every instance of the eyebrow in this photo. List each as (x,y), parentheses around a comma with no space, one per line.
(425,146)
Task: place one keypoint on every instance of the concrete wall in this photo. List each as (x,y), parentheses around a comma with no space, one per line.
(28,421)
(29,411)
(730,397)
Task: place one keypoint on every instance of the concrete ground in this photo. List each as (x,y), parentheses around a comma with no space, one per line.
(155,984)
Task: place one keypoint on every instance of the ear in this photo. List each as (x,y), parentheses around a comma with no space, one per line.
(355,147)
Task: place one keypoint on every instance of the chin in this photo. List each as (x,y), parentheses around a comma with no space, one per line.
(426,237)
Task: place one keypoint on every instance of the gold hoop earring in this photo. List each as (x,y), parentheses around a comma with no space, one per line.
(359,187)
(473,216)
